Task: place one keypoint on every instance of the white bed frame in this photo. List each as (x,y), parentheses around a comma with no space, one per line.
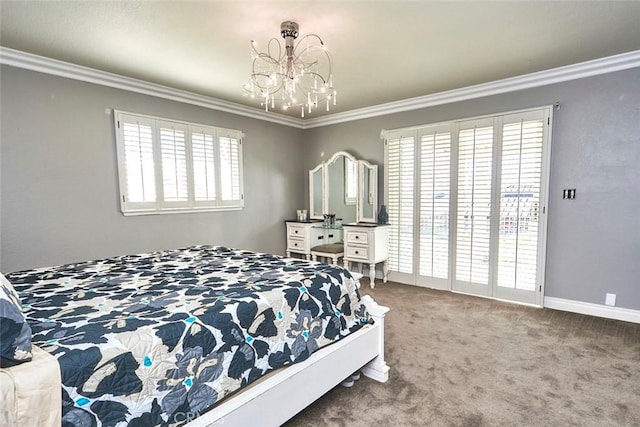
(285,393)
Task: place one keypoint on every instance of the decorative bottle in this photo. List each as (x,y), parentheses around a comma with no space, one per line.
(383,216)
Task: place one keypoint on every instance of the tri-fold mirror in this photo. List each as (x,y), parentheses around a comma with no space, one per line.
(346,187)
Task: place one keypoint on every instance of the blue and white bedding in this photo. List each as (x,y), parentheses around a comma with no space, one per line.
(155,339)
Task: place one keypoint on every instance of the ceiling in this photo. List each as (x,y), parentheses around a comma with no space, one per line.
(383,51)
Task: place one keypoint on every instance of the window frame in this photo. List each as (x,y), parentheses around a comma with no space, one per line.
(160,205)
(544,115)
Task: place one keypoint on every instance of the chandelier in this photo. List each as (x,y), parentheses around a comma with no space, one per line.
(298,76)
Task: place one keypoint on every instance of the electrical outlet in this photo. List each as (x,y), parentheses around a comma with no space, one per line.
(610,299)
(569,193)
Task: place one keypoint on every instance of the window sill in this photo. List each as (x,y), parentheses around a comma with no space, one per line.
(180,211)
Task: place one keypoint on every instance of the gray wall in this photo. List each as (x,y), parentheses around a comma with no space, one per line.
(59,198)
(593,242)
(59,186)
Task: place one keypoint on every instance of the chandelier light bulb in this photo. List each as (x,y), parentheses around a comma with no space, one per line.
(299,64)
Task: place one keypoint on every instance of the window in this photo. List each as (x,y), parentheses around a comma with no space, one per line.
(466,201)
(169,166)
(475,173)
(399,164)
(434,169)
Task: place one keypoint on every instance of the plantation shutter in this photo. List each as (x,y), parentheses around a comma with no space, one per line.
(136,158)
(435,165)
(520,187)
(400,201)
(170,166)
(475,153)
(230,169)
(173,152)
(474,221)
(203,149)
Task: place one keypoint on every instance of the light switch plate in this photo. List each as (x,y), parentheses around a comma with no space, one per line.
(569,193)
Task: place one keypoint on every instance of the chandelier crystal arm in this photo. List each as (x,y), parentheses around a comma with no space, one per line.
(277,42)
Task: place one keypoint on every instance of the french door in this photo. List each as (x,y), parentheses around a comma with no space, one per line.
(467,205)
(474,207)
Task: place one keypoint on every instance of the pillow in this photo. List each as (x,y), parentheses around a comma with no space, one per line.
(15,332)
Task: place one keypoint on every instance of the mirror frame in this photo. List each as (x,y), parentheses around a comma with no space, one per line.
(326,190)
(363,193)
(320,167)
(361,166)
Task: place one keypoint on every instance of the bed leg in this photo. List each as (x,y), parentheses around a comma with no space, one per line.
(377,369)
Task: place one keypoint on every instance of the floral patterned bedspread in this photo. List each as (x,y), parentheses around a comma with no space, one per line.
(158,338)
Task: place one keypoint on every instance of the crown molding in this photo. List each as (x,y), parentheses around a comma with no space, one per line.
(58,68)
(595,67)
(55,67)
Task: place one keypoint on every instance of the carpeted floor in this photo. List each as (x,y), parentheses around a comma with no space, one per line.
(462,361)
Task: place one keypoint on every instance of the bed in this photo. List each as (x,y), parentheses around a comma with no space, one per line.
(187,336)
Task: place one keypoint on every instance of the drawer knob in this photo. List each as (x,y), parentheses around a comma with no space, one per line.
(319,237)
(357,252)
(296,231)
(357,237)
(295,244)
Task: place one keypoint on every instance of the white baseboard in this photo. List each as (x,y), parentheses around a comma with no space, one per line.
(597,310)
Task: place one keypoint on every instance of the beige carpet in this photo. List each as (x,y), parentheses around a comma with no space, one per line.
(463,361)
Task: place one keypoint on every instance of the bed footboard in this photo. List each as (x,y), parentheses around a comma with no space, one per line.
(377,369)
(277,398)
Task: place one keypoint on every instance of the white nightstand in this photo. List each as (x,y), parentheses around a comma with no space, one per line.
(367,245)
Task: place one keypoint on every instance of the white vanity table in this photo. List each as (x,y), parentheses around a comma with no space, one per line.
(367,244)
(347,187)
(304,235)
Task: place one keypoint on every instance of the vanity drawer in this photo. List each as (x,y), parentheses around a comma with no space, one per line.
(357,252)
(295,231)
(296,243)
(357,237)
(332,236)
(317,236)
